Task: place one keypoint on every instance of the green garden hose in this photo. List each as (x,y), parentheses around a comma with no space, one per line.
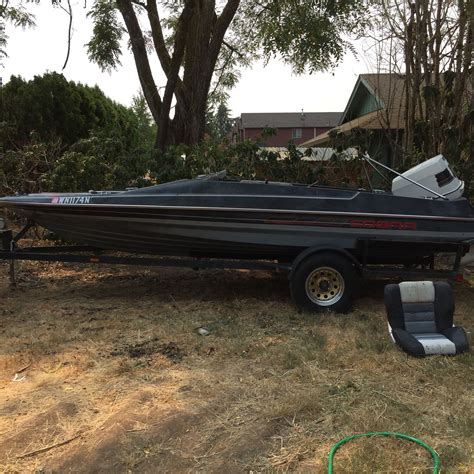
(335,447)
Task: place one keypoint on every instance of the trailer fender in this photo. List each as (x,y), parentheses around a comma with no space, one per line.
(323,249)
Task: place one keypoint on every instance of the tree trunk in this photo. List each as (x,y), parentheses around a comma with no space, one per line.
(409,98)
(198,40)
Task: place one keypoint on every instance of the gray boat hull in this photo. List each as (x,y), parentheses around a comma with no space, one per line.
(244,234)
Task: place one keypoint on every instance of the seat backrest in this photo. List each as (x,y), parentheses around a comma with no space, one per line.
(420,306)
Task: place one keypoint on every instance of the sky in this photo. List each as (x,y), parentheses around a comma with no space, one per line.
(271,88)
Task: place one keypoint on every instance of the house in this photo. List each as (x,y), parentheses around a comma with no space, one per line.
(376,104)
(298,127)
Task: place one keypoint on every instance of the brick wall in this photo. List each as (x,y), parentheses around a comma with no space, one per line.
(282,136)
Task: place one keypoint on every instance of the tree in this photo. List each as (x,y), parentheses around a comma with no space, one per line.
(430,42)
(219,123)
(146,129)
(200,44)
(53,108)
(223,121)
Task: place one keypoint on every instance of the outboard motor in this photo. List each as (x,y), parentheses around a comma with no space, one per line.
(434,174)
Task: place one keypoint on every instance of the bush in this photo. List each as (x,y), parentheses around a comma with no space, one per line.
(28,169)
(56,109)
(105,161)
(92,163)
(244,160)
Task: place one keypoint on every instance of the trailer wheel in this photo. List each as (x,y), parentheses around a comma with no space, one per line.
(324,281)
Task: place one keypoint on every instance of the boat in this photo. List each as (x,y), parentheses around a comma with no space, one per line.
(213,216)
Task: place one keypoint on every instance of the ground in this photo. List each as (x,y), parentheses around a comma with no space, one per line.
(104,369)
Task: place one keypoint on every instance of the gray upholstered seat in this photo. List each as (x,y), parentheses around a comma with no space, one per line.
(420,318)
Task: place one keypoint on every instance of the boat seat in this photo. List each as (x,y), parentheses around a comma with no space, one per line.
(420,316)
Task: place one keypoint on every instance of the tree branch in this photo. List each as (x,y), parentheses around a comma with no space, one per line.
(157,35)
(69,12)
(221,71)
(233,49)
(137,41)
(160,45)
(173,71)
(223,22)
(48,448)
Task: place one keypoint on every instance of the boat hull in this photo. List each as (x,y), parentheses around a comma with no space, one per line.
(233,232)
(238,219)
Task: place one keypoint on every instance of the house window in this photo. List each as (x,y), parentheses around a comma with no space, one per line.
(296,133)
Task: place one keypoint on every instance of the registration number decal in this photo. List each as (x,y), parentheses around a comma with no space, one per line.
(71,200)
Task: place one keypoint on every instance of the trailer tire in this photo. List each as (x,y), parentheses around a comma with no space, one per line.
(324,282)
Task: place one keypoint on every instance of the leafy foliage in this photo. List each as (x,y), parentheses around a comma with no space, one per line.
(27,169)
(98,163)
(146,129)
(104,46)
(246,160)
(16,15)
(62,136)
(219,123)
(309,35)
(50,107)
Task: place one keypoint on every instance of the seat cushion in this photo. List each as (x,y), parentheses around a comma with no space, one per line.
(419,317)
(417,292)
(423,344)
(408,342)
(435,343)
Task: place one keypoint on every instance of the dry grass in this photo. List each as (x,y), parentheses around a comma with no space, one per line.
(115,358)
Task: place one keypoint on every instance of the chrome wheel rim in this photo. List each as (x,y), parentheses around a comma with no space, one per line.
(324,286)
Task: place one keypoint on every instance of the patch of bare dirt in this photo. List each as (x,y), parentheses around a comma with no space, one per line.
(147,348)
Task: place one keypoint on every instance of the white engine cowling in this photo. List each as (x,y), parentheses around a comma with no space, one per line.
(434,174)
